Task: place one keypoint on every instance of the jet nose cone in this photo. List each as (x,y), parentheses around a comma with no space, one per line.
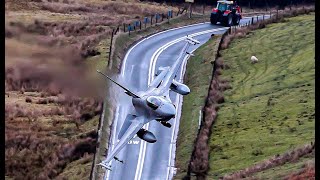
(171,111)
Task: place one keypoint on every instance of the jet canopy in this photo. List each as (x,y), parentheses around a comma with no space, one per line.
(153,102)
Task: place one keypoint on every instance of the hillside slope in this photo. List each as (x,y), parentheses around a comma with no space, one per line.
(52,106)
(270,108)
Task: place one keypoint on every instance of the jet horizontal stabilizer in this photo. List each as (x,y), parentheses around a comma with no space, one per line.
(192,40)
(117,159)
(190,54)
(105,166)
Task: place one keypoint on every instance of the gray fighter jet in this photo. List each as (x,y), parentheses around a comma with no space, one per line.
(153,104)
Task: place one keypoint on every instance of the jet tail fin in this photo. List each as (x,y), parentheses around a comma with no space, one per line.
(127,91)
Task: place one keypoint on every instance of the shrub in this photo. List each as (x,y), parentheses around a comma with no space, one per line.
(256,152)
(28,100)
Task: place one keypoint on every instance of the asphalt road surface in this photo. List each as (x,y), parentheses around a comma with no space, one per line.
(144,160)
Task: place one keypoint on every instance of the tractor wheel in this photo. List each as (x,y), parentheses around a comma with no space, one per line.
(213,19)
(229,20)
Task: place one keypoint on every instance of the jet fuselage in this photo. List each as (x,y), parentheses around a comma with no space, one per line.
(160,108)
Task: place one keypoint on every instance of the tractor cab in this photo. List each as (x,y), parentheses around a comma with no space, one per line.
(227,13)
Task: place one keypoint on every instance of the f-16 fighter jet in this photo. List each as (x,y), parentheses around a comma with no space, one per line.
(153,104)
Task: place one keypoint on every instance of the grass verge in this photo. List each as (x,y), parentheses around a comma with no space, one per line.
(198,76)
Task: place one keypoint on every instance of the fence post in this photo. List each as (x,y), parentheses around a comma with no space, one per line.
(140,24)
(156,18)
(178,11)
(124,27)
(190,13)
(263,17)
(257,18)
(252,20)
(145,22)
(203,9)
(270,14)
(129,28)
(118,29)
(162,17)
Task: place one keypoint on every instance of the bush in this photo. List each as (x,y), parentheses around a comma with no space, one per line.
(256,152)
(28,100)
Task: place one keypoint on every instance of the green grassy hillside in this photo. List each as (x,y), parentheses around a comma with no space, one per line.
(270,108)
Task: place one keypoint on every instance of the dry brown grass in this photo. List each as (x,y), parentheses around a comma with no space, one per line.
(51,95)
(41,139)
(278,160)
(308,172)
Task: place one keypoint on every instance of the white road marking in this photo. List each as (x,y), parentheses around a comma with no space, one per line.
(127,55)
(164,47)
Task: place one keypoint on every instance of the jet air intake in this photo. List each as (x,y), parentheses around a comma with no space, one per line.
(179,88)
(146,135)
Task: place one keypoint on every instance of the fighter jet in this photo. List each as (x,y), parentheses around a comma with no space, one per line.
(153,104)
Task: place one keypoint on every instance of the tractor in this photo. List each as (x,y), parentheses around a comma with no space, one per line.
(228,13)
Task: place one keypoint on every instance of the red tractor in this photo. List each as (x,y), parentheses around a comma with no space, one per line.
(227,13)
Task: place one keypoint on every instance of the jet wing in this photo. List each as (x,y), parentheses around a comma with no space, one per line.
(156,82)
(127,91)
(134,127)
(167,80)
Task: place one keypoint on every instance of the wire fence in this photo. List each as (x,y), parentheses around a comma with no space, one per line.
(142,24)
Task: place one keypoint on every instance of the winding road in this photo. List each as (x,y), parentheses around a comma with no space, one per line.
(143,160)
